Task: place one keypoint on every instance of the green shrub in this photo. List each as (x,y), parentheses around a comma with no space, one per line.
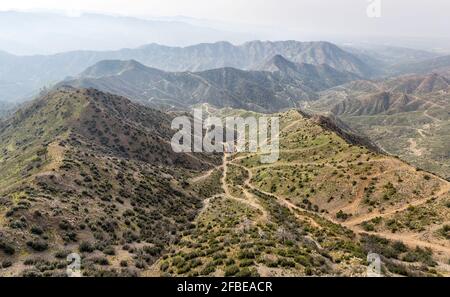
(164,266)
(38,245)
(62,254)
(420,255)
(6,264)
(86,247)
(342,216)
(208,270)
(7,248)
(109,250)
(246,254)
(368,227)
(36,230)
(246,272)
(246,263)
(231,270)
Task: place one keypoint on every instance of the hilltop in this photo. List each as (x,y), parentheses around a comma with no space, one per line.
(82,171)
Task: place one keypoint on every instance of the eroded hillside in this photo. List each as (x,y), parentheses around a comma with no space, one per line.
(407,116)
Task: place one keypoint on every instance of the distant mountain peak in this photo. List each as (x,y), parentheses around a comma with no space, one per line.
(112,68)
(276,63)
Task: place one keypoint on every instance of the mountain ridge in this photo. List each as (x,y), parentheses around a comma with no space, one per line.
(222,87)
(27,70)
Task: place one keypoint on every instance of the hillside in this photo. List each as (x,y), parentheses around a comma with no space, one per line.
(406,116)
(437,64)
(153,212)
(46,32)
(317,77)
(84,171)
(224,87)
(306,214)
(27,70)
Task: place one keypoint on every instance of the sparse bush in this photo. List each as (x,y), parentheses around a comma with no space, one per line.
(208,270)
(420,255)
(62,254)
(109,250)
(36,230)
(6,264)
(7,248)
(231,270)
(86,247)
(342,216)
(38,245)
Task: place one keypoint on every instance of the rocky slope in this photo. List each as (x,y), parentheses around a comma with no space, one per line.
(85,171)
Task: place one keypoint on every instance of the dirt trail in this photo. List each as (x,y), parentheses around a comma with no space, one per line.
(290,125)
(411,240)
(408,239)
(250,201)
(205,175)
(292,207)
(55,153)
(254,202)
(364,218)
(434,119)
(207,202)
(414,149)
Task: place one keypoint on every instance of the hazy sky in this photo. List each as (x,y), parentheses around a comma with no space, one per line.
(412,18)
(411,23)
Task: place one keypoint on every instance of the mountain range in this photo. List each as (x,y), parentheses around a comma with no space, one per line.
(26,72)
(280,86)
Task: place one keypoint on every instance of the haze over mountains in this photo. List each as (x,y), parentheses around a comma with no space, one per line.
(54,32)
(25,75)
(438,64)
(21,77)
